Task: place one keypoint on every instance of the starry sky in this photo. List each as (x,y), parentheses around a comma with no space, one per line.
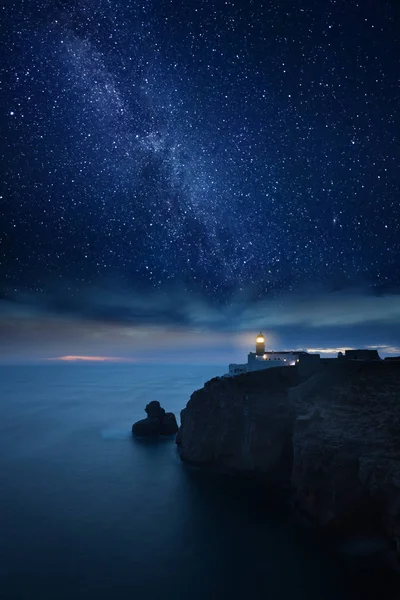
(177,175)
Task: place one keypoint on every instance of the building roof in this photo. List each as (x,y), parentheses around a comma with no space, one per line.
(282,352)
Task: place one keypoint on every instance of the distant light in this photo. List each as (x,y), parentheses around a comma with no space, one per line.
(260,339)
(77,358)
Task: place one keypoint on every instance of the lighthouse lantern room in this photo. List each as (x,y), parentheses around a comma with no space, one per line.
(260,345)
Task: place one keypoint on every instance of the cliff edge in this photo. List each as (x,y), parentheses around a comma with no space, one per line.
(332,439)
(241,424)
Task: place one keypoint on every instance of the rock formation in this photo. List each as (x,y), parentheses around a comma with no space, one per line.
(158,422)
(346,467)
(333,438)
(239,424)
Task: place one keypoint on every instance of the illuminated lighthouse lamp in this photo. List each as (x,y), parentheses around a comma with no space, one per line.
(260,345)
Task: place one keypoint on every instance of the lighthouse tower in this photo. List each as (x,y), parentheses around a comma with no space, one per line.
(260,345)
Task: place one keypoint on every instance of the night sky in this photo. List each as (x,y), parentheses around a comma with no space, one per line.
(177,175)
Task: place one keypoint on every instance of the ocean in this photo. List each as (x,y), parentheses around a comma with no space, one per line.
(86,511)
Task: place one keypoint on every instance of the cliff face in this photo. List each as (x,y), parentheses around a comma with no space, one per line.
(346,467)
(335,438)
(241,424)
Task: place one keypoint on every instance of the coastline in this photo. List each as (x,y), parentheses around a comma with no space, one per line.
(343,441)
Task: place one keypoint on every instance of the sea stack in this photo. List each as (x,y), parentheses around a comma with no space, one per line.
(158,422)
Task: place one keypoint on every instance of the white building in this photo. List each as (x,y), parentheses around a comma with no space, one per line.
(261,359)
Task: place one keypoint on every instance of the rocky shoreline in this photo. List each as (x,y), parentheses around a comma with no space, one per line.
(331,441)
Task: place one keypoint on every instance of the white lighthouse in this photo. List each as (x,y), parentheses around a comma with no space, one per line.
(261,359)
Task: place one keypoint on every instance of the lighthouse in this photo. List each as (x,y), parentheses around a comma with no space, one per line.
(260,345)
(260,360)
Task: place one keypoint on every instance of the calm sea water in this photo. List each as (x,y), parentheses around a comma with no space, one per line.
(88,512)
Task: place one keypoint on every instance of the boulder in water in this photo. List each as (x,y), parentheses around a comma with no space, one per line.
(158,422)
(146,427)
(154,410)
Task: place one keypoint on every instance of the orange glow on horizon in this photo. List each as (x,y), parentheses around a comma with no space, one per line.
(73,358)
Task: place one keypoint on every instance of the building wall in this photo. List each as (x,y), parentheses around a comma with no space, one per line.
(264,364)
(270,359)
(306,363)
(309,364)
(237,369)
(362,355)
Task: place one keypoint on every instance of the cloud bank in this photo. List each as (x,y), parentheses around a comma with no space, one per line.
(117,322)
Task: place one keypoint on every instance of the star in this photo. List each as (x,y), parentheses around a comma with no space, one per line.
(199,147)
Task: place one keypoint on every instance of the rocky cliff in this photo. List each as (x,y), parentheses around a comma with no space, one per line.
(241,424)
(334,438)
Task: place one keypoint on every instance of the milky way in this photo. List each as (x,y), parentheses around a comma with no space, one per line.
(221,146)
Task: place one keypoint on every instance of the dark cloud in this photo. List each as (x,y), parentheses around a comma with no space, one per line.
(124,322)
(308,307)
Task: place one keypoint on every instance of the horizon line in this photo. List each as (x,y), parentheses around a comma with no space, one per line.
(85,358)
